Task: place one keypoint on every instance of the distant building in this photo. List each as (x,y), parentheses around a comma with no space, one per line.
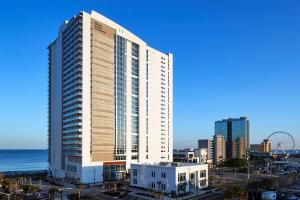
(203,155)
(261,151)
(219,149)
(255,147)
(185,155)
(265,146)
(208,144)
(192,156)
(169,177)
(240,148)
(257,155)
(236,133)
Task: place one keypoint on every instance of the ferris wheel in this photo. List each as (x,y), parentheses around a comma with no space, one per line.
(282,143)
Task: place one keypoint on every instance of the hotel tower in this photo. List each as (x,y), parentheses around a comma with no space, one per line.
(110,101)
(236,132)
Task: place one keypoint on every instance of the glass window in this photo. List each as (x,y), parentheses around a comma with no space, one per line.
(153,173)
(202,173)
(181,177)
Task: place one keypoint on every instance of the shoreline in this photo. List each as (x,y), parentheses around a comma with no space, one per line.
(25,172)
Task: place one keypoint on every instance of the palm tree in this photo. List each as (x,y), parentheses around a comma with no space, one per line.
(236,193)
(1,178)
(254,188)
(8,185)
(61,193)
(211,181)
(80,187)
(268,183)
(114,186)
(27,189)
(51,192)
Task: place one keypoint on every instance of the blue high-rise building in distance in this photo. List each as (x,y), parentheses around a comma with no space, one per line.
(236,133)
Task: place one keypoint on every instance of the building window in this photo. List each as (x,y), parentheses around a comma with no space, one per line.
(153,174)
(163,174)
(203,183)
(134,172)
(120,95)
(163,187)
(72,168)
(109,172)
(153,184)
(202,173)
(135,181)
(134,98)
(181,177)
(192,176)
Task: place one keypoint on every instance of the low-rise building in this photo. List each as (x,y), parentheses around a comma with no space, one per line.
(185,155)
(203,155)
(260,155)
(255,147)
(208,144)
(169,177)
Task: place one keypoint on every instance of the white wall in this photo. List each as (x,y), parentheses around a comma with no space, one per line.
(170,69)
(192,169)
(92,173)
(56,109)
(144,175)
(86,90)
(155,88)
(142,103)
(154,107)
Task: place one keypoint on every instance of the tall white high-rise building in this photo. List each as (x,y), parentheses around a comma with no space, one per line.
(110,101)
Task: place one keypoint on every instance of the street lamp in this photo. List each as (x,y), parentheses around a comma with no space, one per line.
(94,171)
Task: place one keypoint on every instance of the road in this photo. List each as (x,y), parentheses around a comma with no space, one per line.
(212,196)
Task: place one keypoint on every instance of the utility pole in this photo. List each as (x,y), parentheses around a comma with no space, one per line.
(248,163)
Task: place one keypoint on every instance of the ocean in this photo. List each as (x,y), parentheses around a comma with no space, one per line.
(29,160)
(23,160)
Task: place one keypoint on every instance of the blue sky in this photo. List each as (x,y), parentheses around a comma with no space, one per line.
(231,59)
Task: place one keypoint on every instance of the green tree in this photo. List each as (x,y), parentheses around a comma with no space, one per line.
(268,183)
(1,178)
(72,196)
(254,189)
(27,189)
(51,192)
(235,163)
(8,185)
(79,188)
(235,193)
(211,181)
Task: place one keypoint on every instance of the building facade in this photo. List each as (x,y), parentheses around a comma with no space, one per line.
(170,177)
(185,155)
(255,147)
(219,149)
(203,156)
(110,100)
(265,146)
(236,133)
